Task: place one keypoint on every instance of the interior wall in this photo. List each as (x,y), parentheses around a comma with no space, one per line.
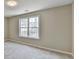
(55,28)
(73,28)
(6,28)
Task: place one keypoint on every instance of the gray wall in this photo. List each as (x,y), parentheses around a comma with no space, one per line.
(6,28)
(55,28)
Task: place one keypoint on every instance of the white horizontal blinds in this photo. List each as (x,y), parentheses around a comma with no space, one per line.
(29,27)
(34,27)
(23,22)
(23,27)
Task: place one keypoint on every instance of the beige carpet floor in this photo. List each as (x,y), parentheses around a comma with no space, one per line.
(18,51)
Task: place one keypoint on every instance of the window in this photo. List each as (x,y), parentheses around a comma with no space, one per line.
(29,27)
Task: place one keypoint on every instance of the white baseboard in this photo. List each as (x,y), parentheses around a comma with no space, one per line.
(41,47)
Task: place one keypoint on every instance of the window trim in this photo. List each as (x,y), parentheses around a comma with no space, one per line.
(28,27)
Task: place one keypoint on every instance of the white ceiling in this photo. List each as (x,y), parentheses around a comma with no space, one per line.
(33,5)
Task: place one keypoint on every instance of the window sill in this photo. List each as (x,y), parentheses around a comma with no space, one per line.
(28,37)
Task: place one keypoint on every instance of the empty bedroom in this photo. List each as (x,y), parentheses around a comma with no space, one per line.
(38,29)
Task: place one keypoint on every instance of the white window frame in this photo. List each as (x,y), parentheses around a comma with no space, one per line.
(29,27)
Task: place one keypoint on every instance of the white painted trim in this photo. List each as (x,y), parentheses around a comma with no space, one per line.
(41,47)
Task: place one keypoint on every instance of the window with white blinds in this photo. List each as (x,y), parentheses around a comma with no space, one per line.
(29,27)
